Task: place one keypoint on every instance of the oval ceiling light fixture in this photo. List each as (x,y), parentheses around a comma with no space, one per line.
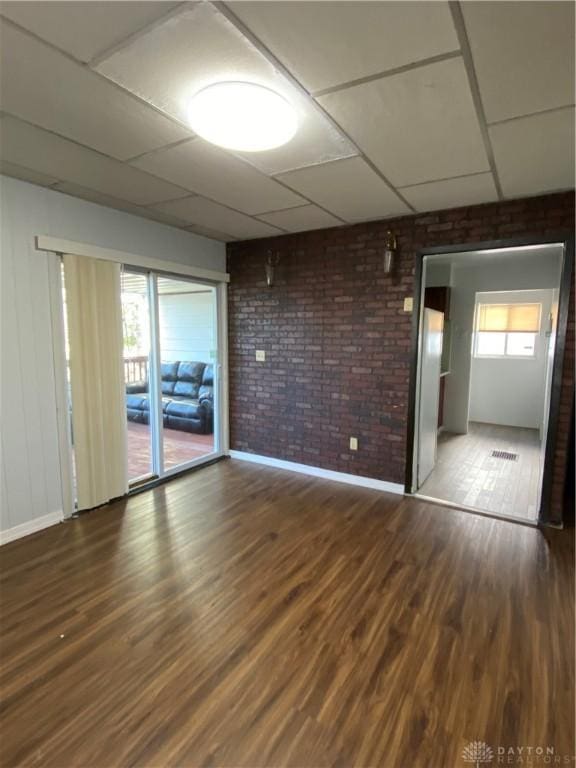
(242,116)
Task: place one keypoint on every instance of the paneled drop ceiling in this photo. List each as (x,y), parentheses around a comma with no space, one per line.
(402,106)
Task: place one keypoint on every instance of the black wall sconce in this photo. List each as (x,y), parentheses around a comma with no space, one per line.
(272,261)
(390,249)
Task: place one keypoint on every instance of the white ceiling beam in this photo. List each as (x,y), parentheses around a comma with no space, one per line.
(458,19)
(388,73)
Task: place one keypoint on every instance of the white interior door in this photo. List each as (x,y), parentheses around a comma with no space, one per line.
(432,331)
(550,328)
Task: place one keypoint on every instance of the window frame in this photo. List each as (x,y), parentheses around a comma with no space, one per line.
(505,356)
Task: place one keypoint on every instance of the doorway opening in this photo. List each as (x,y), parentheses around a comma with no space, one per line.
(487,339)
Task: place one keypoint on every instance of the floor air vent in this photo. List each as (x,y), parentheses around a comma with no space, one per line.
(505,455)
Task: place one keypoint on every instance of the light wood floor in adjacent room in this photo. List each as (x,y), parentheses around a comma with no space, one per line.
(467,474)
(246,616)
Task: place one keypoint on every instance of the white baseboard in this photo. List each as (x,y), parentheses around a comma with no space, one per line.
(32,526)
(326,474)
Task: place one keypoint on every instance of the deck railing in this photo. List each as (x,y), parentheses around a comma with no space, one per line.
(135,369)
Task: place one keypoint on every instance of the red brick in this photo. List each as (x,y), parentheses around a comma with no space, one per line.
(339,343)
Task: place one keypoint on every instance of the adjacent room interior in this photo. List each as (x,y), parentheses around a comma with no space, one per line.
(491,353)
(287,384)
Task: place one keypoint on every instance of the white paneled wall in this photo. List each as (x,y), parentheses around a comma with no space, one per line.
(30,492)
(187,326)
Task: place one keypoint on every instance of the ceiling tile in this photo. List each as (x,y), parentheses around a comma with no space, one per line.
(205,213)
(93,196)
(301,219)
(452,193)
(149,212)
(184,54)
(84,29)
(27,145)
(209,171)
(26,174)
(211,233)
(349,188)
(328,45)
(535,154)
(121,205)
(316,141)
(523,55)
(45,87)
(179,57)
(416,126)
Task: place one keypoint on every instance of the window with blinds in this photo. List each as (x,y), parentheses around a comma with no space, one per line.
(507,330)
(509,318)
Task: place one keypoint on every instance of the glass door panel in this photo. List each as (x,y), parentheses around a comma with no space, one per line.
(136,326)
(187,342)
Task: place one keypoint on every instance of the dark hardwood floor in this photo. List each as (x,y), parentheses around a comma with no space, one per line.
(245,616)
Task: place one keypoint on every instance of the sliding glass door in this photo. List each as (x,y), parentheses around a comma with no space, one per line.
(137,349)
(187,337)
(171,371)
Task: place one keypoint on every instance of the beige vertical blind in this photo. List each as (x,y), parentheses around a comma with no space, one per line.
(95,338)
(509,318)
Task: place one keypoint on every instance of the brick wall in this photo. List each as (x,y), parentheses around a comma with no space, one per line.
(337,340)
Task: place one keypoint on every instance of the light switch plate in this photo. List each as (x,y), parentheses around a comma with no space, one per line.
(408,304)
(260,355)
(353,443)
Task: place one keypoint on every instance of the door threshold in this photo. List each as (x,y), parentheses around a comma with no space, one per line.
(475,511)
(154,483)
(143,480)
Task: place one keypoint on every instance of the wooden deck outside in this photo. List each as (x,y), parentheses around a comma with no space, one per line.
(179,447)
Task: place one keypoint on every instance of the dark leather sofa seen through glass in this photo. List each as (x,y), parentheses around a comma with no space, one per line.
(187,397)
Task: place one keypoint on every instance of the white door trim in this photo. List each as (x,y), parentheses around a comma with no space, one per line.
(61,386)
(59,245)
(223,420)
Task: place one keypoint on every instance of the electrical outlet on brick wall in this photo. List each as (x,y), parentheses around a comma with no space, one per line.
(260,355)
(353,443)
